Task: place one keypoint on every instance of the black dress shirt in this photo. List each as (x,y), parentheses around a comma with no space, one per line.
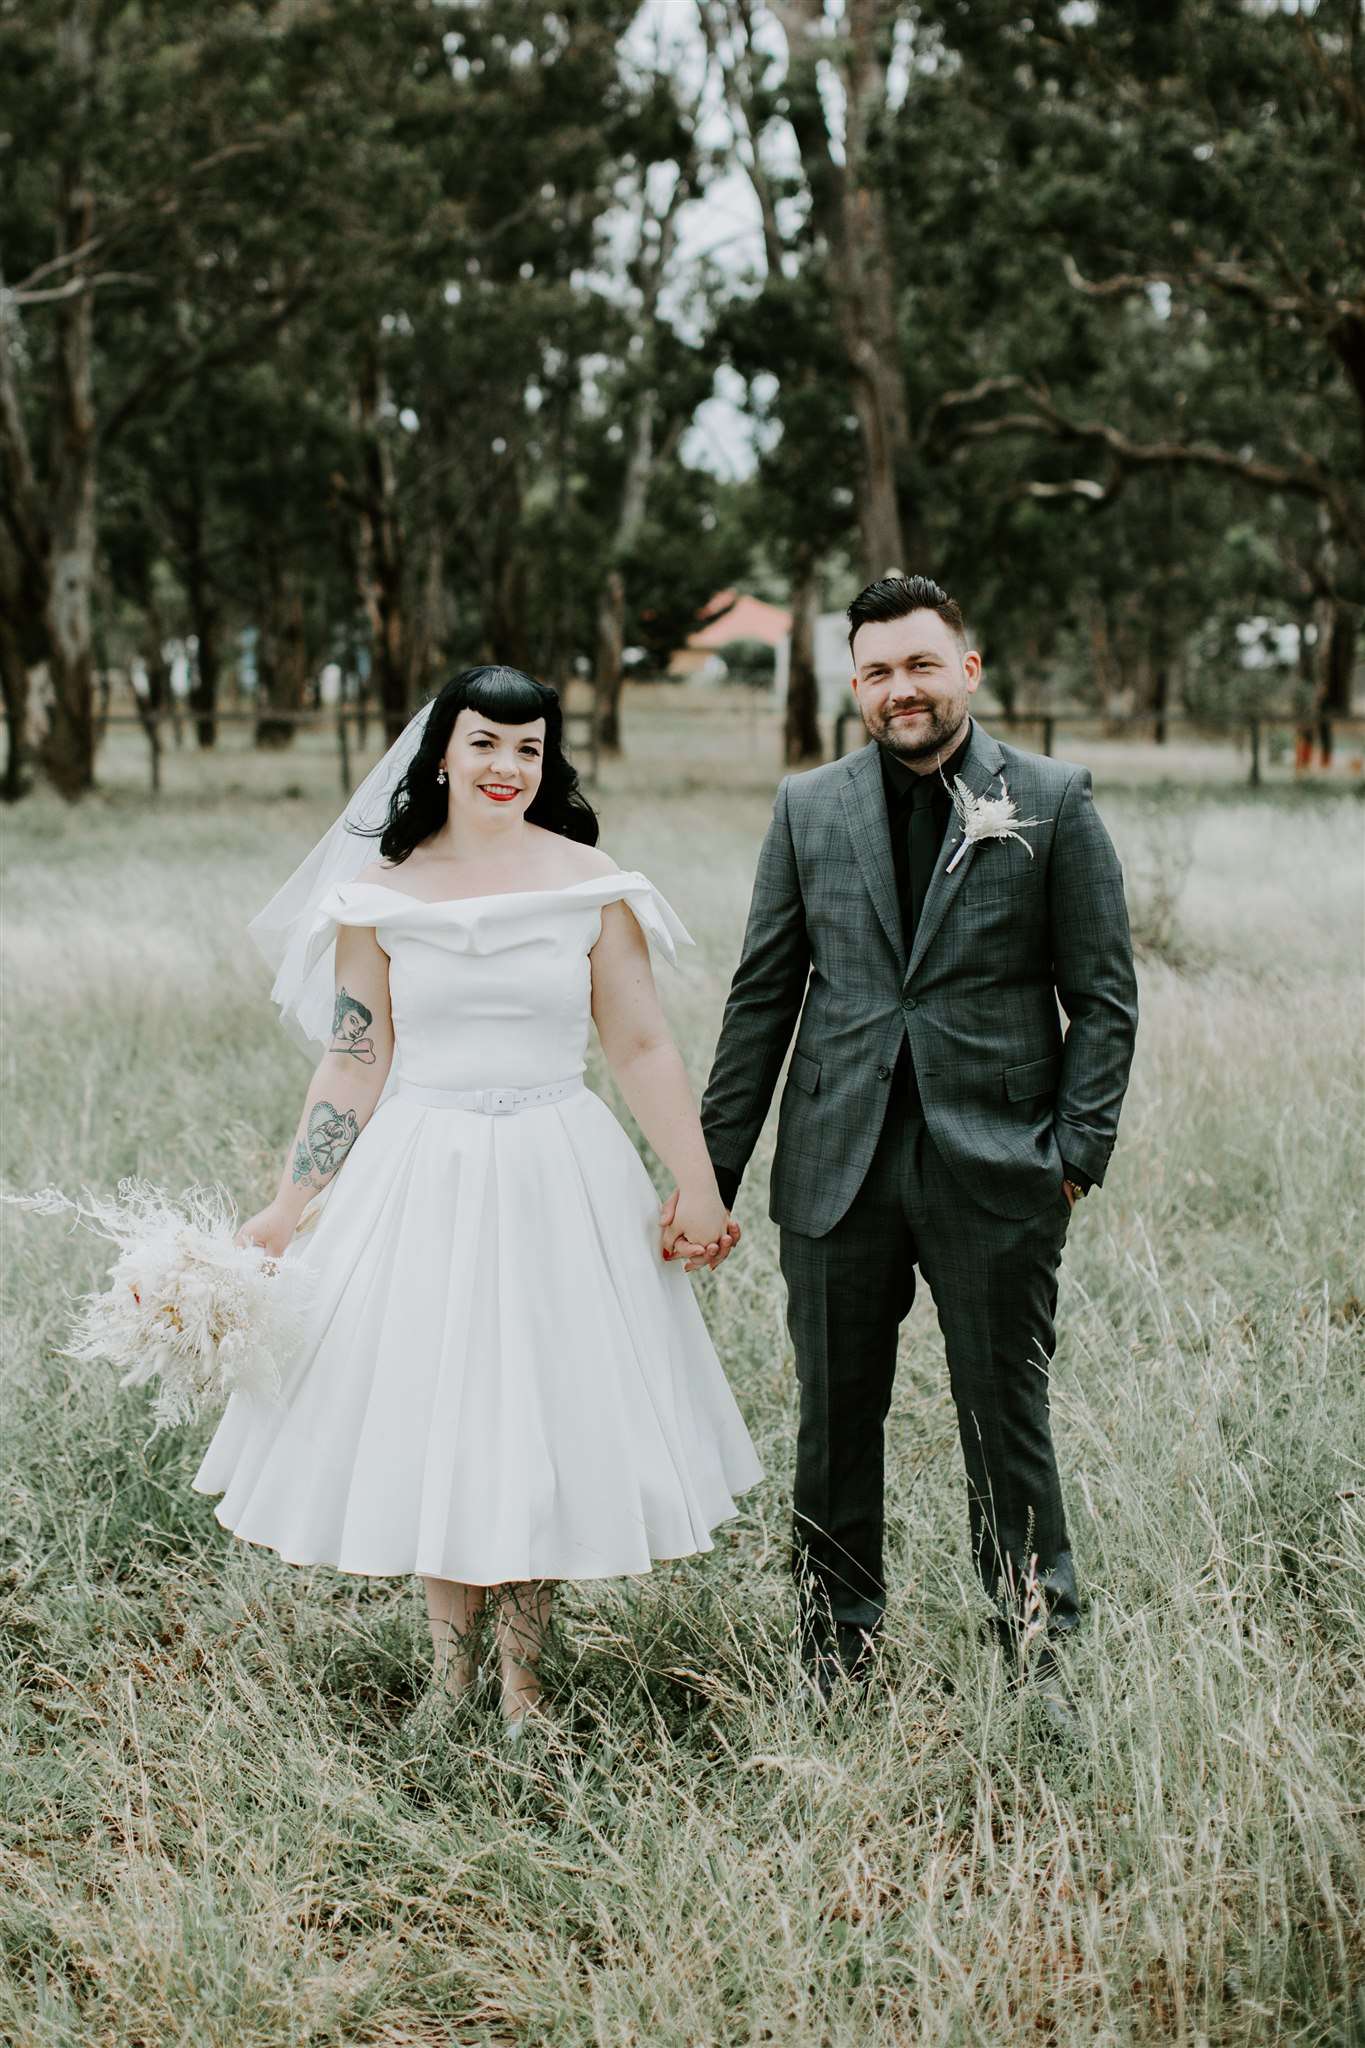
(904,788)
(906,791)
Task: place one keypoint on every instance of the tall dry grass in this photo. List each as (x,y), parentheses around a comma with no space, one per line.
(216,1827)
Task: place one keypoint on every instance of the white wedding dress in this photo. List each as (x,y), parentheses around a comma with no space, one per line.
(502,1379)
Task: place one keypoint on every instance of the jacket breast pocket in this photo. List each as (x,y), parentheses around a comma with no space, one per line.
(1033,1077)
(805,1072)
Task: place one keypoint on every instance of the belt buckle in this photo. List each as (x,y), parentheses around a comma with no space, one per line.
(502,1101)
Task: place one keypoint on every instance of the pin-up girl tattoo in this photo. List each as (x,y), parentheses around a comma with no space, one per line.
(331,1134)
(351,1022)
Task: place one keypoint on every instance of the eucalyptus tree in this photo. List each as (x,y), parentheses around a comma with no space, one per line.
(828,85)
(147,149)
(314,269)
(1183,187)
(816,495)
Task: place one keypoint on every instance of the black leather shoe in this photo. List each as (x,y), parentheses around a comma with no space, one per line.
(1038,1669)
(857,1651)
(1045,1682)
(847,1661)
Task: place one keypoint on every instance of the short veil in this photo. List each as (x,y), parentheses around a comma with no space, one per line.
(281,931)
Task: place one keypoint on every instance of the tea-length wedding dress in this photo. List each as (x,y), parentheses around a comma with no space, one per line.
(501,1379)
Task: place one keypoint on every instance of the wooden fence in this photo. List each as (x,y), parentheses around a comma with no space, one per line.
(1042,725)
(580,730)
(1039,730)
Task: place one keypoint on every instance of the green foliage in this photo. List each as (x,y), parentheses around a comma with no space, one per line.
(748,661)
(361,288)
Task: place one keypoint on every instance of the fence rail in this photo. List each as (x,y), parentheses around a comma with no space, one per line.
(1157,726)
(580,730)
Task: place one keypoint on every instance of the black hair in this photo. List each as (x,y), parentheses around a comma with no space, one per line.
(420,804)
(895,597)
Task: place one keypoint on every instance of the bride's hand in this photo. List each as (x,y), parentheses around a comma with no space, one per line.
(267,1228)
(680,1237)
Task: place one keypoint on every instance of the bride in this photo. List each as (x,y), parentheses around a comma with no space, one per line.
(505,1379)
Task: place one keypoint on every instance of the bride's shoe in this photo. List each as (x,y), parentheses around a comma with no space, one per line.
(434,1719)
(532,1714)
(439,1710)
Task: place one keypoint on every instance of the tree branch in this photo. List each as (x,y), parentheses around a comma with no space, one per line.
(178,368)
(161,200)
(23,506)
(1340,83)
(737,84)
(75,286)
(1308,480)
(1233,278)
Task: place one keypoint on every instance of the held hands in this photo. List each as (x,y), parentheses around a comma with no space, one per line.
(697,1230)
(269,1228)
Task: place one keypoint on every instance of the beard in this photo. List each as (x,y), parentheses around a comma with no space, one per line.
(921,739)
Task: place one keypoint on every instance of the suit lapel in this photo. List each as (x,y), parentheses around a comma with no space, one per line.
(983,763)
(864,800)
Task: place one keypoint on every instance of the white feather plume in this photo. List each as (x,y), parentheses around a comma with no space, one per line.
(185,1306)
(988,817)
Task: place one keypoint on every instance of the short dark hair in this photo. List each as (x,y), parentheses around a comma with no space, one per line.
(895,597)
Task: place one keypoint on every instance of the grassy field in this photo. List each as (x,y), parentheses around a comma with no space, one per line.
(214,1827)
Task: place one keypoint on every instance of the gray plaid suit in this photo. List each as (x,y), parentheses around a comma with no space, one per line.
(967,1184)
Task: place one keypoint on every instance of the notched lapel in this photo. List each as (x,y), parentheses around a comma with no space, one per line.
(864,800)
(979,770)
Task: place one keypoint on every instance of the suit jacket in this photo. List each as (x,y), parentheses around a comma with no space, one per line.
(1013,931)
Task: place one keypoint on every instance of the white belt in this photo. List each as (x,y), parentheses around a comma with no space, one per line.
(491,1101)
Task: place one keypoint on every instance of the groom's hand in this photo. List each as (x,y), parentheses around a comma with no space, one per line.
(696,1255)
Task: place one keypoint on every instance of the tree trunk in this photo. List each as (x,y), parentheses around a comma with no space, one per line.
(503,578)
(646,448)
(430,624)
(207,663)
(801,735)
(607,672)
(851,216)
(1336,669)
(380,554)
(68,747)
(611,602)
(1306,695)
(151,708)
(14,683)
(283,664)
(1161,697)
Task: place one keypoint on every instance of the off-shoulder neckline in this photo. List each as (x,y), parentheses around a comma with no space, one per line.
(493,895)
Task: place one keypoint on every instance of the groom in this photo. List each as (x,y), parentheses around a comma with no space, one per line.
(934,1116)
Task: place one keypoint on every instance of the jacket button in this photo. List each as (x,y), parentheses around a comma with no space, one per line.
(883,1073)
(912,1002)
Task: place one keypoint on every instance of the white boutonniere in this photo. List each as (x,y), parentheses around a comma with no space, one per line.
(988,817)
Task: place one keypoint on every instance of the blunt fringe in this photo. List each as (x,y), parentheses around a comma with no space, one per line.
(419,805)
(895,597)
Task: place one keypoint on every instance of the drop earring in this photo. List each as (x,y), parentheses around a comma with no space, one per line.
(440,778)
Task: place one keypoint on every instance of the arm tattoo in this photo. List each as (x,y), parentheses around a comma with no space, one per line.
(350,1023)
(331,1134)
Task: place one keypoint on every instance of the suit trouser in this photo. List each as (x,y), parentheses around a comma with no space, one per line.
(994,1284)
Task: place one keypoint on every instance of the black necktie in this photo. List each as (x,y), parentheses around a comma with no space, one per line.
(926,833)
